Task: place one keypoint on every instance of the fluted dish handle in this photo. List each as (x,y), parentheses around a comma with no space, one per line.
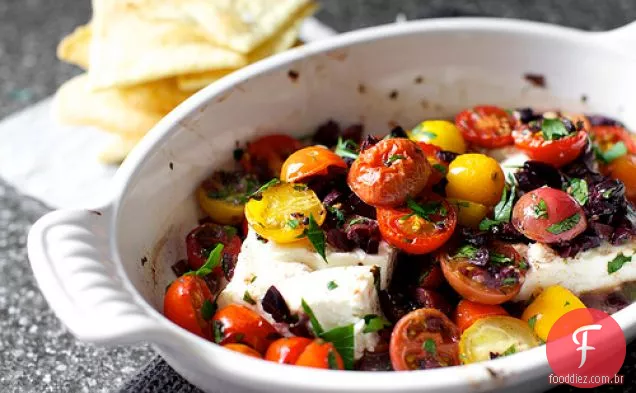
(69,255)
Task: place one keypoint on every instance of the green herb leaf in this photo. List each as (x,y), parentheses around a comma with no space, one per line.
(207,310)
(440,168)
(487,223)
(394,158)
(617,263)
(499,258)
(419,130)
(430,346)
(214,258)
(315,325)
(566,304)
(509,281)
(317,237)
(239,337)
(374,323)
(511,350)
(253,279)
(331,360)
(523,265)
(293,223)
(578,190)
(217,327)
(342,338)
(617,150)
(466,251)
(331,285)
(565,225)
(357,220)
(541,209)
(503,209)
(532,321)
(247,298)
(340,216)
(427,209)
(553,129)
(259,193)
(346,148)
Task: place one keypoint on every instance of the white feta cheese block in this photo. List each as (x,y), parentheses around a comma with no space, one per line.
(585,272)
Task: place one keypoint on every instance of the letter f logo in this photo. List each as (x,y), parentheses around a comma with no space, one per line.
(583,344)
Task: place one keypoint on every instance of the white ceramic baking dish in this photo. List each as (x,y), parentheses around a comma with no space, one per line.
(104,270)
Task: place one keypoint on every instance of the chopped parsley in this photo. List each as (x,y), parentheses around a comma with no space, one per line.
(331,285)
(207,310)
(316,237)
(247,298)
(340,216)
(440,168)
(259,193)
(503,209)
(466,251)
(331,360)
(419,130)
(394,158)
(230,231)
(347,148)
(357,220)
(565,225)
(532,321)
(214,258)
(541,209)
(253,279)
(487,223)
(499,258)
(617,150)
(374,323)
(523,265)
(617,263)
(315,325)
(509,281)
(217,327)
(426,210)
(553,129)
(578,190)
(511,350)
(293,223)
(430,346)
(566,304)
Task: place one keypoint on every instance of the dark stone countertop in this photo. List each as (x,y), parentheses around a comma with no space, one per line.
(36,352)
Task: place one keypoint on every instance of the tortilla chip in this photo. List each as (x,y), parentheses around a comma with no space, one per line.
(242,25)
(127,48)
(117,150)
(282,41)
(74,47)
(128,112)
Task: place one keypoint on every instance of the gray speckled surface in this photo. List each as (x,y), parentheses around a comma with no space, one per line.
(36,352)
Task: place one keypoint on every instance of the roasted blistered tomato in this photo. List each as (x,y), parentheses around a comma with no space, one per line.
(424,339)
(238,324)
(606,136)
(308,162)
(202,239)
(548,215)
(555,143)
(420,227)
(266,155)
(389,172)
(189,303)
(487,276)
(486,126)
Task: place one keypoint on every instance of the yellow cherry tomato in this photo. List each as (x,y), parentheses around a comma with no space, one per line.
(548,307)
(475,178)
(440,133)
(282,212)
(223,195)
(469,214)
(495,335)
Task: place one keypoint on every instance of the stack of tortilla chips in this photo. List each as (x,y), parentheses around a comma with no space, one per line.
(144,57)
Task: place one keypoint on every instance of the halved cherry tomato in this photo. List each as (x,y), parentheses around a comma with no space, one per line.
(557,152)
(223,195)
(467,312)
(439,167)
(244,349)
(389,172)
(548,215)
(202,239)
(488,282)
(287,350)
(606,136)
(283,212)
(265,156)
(183,304)
(320,354)
(405,229)
(486,126)
(238,324)
(310,161)
(495,336)
(424,339)
(624,169)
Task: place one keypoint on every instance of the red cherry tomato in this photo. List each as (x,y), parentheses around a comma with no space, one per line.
(287,350)
(308,162)
(548,215)
(606,136)
(244,349)
(265,156)
(439,168)
(183,302)
(486,126)
(468,312)
(320,354)
(557,152)
(238,324)
(491,283)
(409,232)
(424,339)
(389,172)
(202,239)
